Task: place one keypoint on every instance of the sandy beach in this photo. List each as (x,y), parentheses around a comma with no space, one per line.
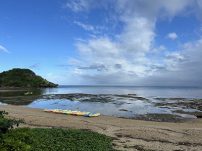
(128,134)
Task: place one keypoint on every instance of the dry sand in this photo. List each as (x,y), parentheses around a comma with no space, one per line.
(129,134)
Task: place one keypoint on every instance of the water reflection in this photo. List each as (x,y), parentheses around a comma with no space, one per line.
(116,100)
(112,108)
(20,96)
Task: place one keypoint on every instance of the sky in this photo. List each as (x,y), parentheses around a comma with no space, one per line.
(105,42)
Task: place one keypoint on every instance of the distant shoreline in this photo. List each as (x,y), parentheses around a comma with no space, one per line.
(128,86)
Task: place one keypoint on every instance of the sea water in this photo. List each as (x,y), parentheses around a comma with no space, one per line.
(120,106)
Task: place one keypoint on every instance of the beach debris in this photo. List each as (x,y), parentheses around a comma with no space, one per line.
(28,93)
(70,112)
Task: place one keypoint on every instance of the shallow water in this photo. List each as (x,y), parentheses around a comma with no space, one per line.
(119,108)
(141,101)
(167,92)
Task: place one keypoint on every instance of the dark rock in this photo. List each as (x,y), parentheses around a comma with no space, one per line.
(123,110)
(160,117)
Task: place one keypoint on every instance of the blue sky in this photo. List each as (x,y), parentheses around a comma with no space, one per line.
(117,42)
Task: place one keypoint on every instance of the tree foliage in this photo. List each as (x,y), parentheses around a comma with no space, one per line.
(23,78)
(6,124)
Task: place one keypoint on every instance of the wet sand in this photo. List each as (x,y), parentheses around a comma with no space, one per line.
(128,134)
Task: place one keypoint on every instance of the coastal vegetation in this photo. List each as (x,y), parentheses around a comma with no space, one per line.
(25,78)
(49,139)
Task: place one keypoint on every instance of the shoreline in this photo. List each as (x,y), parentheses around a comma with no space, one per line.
(129,134)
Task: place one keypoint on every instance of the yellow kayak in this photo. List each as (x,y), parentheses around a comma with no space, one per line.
(70,112)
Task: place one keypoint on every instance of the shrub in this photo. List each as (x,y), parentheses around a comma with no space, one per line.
(6,124)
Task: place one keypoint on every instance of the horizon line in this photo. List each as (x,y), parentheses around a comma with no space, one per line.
(100,85)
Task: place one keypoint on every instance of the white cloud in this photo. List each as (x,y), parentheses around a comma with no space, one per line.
(172,36)
(124,58)
(182,67)
(159,49)
(78,5)
(99,47)
(93,30)
(2,48)
(87,27)
(137,35)
(154,8)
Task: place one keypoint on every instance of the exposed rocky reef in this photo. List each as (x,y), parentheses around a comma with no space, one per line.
(168,109)
(182,105)
(180,102)
(161,117)
(93,97)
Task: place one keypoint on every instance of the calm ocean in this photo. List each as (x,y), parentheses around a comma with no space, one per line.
(152,91)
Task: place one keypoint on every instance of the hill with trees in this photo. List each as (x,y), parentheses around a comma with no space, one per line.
(25,78)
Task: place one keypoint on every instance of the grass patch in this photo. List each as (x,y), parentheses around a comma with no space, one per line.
(39,139)
(49,139)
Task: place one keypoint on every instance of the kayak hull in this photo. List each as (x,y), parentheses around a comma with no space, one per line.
(76,113)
